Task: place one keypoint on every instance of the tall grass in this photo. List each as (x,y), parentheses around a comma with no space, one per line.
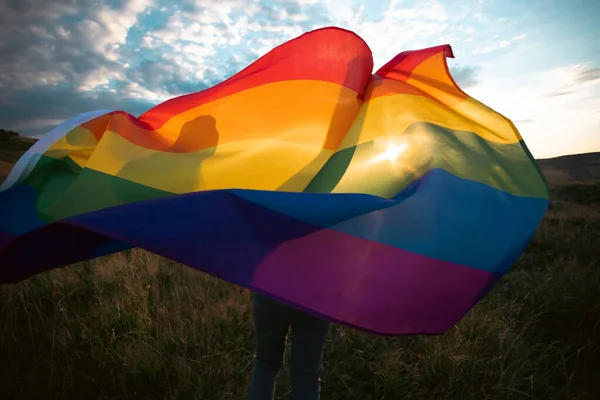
(136,326)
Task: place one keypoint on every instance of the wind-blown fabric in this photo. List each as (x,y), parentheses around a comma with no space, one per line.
(390,202)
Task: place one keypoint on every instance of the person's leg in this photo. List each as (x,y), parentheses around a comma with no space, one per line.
(271,327)
(308,336)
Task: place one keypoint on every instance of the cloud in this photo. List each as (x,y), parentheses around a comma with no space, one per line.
(496,43)
(588,75)
(60,58)
(559,93)
(134,53)
(572,79)
(165,78)
(78,56)
(238,32)
(210,41)
(68,54)
(69,42)
(493,47)
(465,76)
(555,111)
(106,28)
(47,107)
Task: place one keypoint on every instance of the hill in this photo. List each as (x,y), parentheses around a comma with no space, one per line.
(12,147)
(571,168)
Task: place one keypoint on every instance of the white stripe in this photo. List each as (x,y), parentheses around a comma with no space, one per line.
(27,162)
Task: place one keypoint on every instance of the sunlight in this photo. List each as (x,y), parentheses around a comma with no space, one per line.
(391,152)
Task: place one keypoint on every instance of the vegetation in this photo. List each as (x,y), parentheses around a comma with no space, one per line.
(7,135)
(12,146)
(136,326)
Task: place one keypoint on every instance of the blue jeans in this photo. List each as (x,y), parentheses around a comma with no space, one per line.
(272,321)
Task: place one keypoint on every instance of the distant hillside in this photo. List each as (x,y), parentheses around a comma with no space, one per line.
(572,168)
(12,146)
(558,171)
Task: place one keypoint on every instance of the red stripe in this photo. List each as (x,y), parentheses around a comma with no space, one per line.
(329,54)
(401,66)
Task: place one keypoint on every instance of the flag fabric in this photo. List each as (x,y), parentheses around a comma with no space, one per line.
(390,202)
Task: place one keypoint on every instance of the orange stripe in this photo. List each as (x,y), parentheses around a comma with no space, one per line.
(421,73)
(432,77)
(97,125)
(314,113)
(389,87)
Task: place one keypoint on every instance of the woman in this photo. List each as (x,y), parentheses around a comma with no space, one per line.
(272,321)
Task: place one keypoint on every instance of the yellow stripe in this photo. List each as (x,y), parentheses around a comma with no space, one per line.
(263,164)
(389,116)
(77,144)
(432,77)
(393,162)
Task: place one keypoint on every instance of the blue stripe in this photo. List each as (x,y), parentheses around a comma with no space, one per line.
(213,231)
(111,246)
(17,210)
(440,216)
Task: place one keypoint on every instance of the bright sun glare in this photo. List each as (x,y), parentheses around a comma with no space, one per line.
(391,152)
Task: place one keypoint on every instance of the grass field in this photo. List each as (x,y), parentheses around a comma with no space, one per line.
(136,326)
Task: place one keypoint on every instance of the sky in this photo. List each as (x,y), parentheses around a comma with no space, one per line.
(535,61)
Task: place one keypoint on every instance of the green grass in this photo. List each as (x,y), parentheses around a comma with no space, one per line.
(136,326)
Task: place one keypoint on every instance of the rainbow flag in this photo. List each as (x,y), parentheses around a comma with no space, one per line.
(390,202)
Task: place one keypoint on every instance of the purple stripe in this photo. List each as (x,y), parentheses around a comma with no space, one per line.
(369,285)
(352,280)
(5,239)
(46,248)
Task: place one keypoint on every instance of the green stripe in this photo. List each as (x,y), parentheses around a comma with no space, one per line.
(332,172)
(537,168)
(532,158)
(65,189)
(51,178)
(507,167)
